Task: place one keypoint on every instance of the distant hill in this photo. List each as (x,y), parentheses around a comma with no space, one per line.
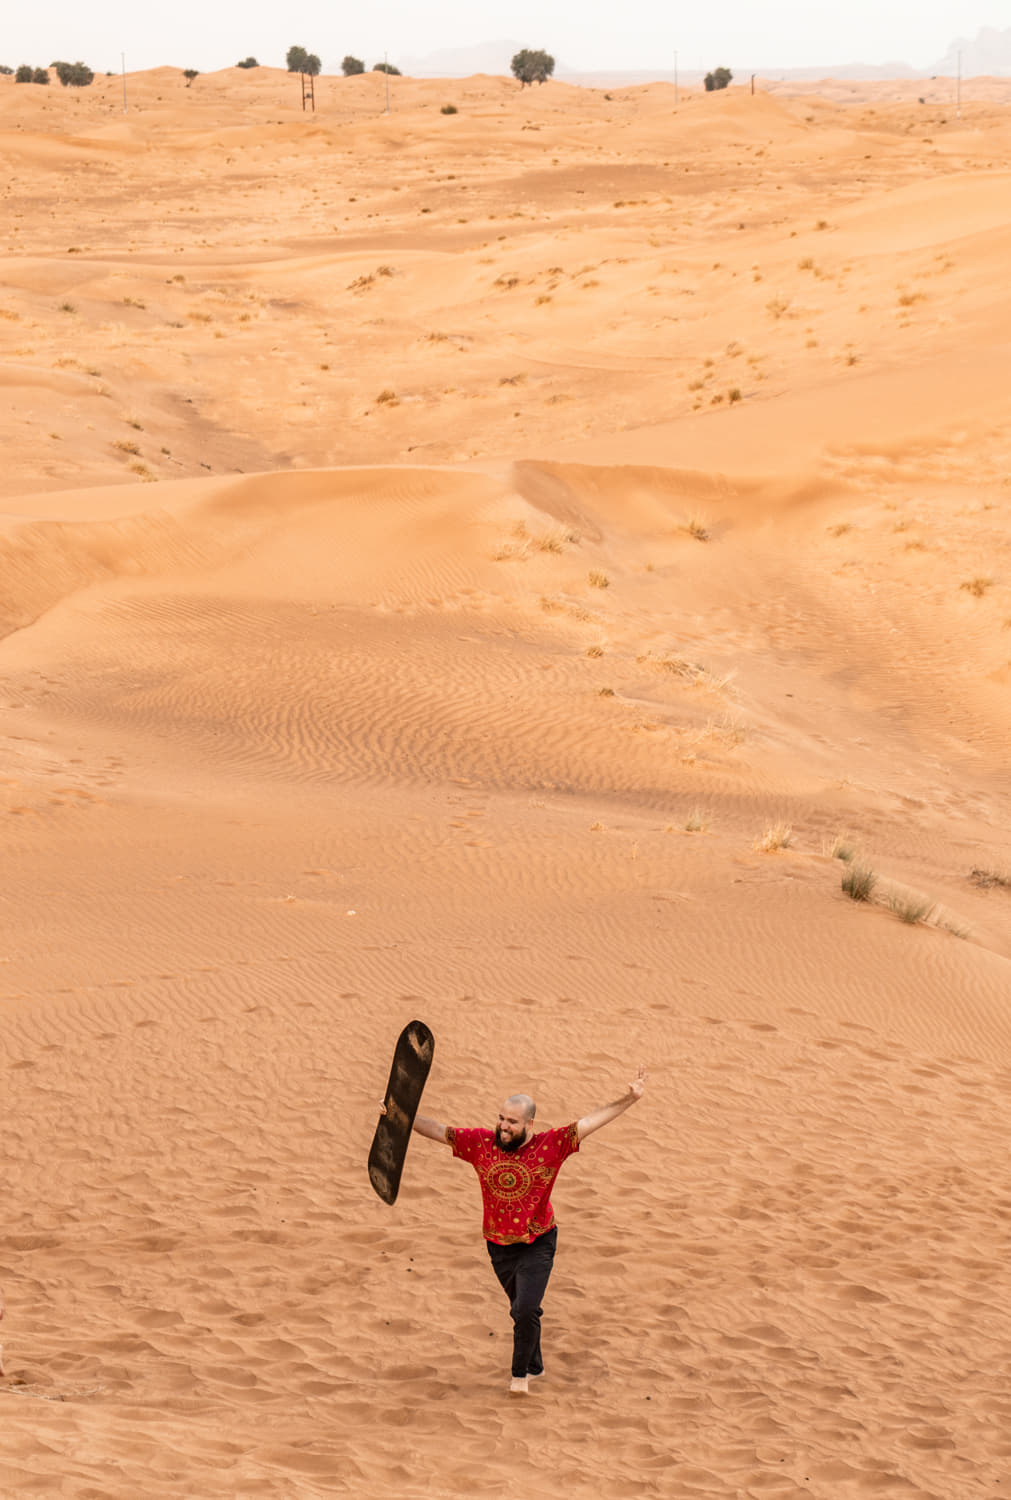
(989,53)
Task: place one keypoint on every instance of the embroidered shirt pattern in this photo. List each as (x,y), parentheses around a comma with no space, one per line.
(515,1185)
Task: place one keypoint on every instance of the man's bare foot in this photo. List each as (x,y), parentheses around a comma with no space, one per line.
(518,1386)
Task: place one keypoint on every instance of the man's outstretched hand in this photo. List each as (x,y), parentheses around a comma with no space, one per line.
(598,1117)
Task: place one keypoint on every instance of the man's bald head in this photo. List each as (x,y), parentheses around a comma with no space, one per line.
(515,1119)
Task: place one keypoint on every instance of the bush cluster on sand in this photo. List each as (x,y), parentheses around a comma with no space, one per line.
(75,75)
(387,67)
(27,74)
(719,78)
(350,66)
(248,62)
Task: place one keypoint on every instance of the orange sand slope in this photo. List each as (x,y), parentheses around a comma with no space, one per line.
(538,698)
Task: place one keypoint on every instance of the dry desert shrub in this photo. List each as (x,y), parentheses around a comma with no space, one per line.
(859,881)
(977,586)
(734,394)
(911,907)
(777,306)
(605,692)
(125,447)
(594,650)
(843,848)
(387,398)
(697,528)
(987,878)
(449,109)
(695,822)
(599,580)
(556,540)
(778,836)
(688,671)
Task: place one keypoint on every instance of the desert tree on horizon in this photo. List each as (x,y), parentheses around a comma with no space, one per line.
(351,66)
(719,78)
(248,62)
(301,61)
(532,66)
(189,74)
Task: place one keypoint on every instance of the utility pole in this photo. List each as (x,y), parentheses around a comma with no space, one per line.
(675,78)
(123,59)
(386,70)
(958,88)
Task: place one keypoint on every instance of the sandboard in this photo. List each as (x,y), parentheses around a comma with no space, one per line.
(412,1060)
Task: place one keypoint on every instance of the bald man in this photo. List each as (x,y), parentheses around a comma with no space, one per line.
(517,1168)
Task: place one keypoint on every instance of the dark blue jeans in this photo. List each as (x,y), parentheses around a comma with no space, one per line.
(523,1271)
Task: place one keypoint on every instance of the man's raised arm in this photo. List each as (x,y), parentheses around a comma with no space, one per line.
(430,1128)
(608,1112)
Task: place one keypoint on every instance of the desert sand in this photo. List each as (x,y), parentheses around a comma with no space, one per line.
(490,567)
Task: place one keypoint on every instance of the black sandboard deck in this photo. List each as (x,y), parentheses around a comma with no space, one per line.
(412,1060)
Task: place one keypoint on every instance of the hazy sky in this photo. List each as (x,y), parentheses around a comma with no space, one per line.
(580,33)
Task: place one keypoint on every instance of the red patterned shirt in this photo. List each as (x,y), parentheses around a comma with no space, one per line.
(515,1185)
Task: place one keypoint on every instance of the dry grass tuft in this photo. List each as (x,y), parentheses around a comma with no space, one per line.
(843,848)
(858,882)
(594,650)
(911,907)
(387,398)
(125,447)
(599,580)
(977,587)
(696,527)
(778,836)
(986,878)
(695,821)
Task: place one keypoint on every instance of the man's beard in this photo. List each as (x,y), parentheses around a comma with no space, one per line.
(513,1145)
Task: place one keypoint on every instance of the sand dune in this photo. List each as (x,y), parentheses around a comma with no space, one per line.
(490,567)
